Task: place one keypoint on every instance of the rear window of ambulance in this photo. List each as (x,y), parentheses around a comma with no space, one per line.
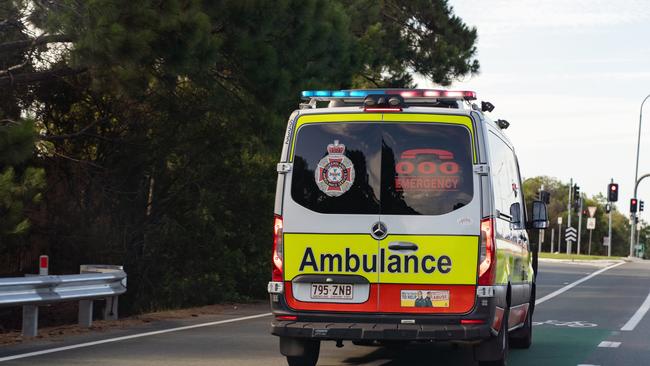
(382,168)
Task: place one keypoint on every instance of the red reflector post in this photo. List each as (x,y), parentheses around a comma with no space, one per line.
(43,265)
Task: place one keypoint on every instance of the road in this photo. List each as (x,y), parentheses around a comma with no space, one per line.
(579,326)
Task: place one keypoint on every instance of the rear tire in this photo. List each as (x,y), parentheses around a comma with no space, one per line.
(498,346)
(309,357)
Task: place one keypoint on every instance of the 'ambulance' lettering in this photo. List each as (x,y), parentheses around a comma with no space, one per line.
(351,263)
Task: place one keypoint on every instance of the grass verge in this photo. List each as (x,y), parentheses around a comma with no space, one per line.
(575,256)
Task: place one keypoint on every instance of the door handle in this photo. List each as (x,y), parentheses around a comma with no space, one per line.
(402,245)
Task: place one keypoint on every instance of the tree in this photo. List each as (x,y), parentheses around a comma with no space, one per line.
(161,122)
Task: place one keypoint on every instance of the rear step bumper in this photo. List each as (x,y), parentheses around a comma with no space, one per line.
(380,331)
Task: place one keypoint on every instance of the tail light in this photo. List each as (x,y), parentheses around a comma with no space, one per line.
(278,249)
(488,258)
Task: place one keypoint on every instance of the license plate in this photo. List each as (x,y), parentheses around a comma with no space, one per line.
(328,291)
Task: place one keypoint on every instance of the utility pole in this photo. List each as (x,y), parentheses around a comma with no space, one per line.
(579,223)
(568,208)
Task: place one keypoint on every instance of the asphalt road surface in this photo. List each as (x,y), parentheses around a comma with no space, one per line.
(596,321)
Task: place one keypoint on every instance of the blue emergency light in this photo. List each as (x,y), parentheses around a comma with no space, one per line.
(405,93)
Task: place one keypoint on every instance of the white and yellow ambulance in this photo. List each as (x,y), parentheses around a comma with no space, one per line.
(400,216)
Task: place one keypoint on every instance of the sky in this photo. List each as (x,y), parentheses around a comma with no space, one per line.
(570,77)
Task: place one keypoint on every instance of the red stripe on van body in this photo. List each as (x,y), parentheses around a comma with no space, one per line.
(461,299)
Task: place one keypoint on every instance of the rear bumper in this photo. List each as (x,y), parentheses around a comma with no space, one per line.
(380,331)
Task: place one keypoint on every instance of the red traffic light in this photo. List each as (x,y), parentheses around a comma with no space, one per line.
(612,192)
(633,205)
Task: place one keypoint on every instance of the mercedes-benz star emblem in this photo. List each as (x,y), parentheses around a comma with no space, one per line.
(379,230)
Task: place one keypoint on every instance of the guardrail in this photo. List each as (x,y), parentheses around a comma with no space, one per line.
(31,292)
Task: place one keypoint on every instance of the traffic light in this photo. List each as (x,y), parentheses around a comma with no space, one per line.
(640,206)
(612,192)
(576,197)
(633,205)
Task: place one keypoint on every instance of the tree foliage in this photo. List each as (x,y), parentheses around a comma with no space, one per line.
(160,122)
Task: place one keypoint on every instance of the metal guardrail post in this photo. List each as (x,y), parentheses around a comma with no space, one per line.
(30,320)
(110,308)
(85,313)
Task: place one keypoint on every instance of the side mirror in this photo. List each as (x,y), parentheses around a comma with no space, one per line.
(515,214)
(540,216)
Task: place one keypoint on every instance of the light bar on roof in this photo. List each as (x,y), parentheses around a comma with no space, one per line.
(404,93)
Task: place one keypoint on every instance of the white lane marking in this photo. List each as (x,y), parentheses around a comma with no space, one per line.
(574,284)
(636,318)
(608,344)
(586,364)
(139,335)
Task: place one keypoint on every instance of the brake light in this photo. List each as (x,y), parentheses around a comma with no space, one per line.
(278,249)
(488,258)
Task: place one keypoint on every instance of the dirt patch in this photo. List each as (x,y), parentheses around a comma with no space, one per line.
(58,333)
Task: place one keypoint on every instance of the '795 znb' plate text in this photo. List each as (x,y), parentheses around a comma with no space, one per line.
(331,291)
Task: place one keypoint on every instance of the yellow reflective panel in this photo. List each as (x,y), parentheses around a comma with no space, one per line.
(353,254)
(438,260)
(446,260)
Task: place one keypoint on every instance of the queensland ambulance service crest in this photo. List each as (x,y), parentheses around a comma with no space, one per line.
(335,172)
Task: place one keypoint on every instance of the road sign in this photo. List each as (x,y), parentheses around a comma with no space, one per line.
(591,223)
(606,241)
(592,210)
(559,220)
(571,234)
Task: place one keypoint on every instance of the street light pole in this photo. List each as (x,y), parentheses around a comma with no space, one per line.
(568,207)
(636,176)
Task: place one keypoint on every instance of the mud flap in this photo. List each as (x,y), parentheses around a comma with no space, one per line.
(294,347)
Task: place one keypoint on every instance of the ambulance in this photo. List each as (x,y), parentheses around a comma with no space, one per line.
(400,217)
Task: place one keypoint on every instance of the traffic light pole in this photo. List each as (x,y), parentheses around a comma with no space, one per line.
(609,234)
(609,230)
(579,223)
(636,175)
(633,214)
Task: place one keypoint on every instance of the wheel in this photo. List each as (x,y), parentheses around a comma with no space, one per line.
(309,358)
(523,337)
(497,347)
